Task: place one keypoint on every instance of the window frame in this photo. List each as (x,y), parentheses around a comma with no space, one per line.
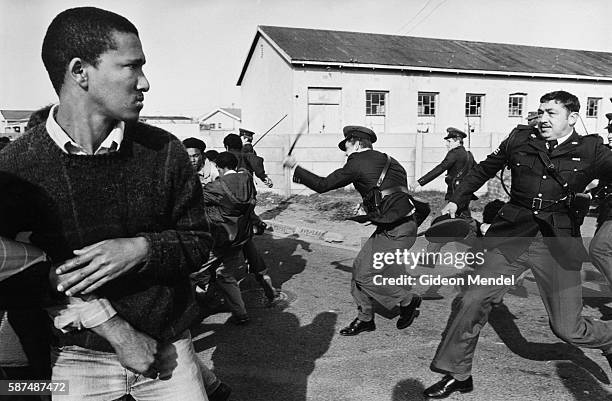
(384,103)
(468,105)
(521,97)
(588,109)
(421,106)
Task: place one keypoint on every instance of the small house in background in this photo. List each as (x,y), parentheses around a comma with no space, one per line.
(13,122)
(221,121)
(180,126)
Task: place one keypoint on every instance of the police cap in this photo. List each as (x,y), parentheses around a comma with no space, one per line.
(532,115)
(454,133)
(444,229)
(356,131)
(246,133)
(194,143)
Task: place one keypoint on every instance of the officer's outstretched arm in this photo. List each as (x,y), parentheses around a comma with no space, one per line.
(446,164)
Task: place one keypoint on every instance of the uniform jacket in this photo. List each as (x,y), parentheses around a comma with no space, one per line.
(578,160)
(229,202)
(454,162)
(604,192)
(248,148)
(362,169)
(251,162)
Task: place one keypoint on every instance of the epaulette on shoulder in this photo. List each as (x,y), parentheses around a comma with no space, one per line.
(591,137)
(523,130)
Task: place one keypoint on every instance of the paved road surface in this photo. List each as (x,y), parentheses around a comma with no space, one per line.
(293,352)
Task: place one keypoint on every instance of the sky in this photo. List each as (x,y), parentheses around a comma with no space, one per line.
(195,49)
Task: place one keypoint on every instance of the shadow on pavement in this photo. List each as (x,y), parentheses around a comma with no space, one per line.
(580,383)
(408,390)
(275,211)
(281,258)
(271,358)
(502,321)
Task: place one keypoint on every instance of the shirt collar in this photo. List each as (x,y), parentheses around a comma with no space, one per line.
(111,143)
(564,138)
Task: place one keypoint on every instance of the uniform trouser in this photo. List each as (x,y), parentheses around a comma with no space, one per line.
(600,249)
(561,293)
(363,291)
(365,302)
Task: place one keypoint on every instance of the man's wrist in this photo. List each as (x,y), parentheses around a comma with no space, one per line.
(145,246)
(113,330)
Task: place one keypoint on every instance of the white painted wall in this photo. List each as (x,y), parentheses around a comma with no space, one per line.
(267,91)
(403,91)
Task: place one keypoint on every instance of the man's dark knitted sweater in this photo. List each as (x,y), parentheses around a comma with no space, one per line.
(146,189)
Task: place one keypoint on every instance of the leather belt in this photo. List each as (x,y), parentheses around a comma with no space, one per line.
(393,190)
(539,203)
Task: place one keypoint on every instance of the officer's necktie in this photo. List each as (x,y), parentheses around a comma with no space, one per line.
(551,145)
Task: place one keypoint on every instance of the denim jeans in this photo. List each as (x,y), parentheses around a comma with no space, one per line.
(95,375)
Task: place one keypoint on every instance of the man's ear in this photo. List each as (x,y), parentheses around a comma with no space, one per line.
(78,72)
(572,118)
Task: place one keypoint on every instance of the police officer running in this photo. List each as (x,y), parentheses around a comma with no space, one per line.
(456,164)
(538,230)
(394,219)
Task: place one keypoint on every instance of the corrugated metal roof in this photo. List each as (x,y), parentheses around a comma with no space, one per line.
(16,115)
(354,48)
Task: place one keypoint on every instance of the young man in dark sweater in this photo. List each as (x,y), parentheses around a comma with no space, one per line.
(123,198)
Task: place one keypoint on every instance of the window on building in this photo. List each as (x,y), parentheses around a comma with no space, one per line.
(473,105)
(516,102)
(592,106)
(212,126)
(219,125)
(427,104)
(376,103)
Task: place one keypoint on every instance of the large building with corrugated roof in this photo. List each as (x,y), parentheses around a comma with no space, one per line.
(410,89)
(399,84)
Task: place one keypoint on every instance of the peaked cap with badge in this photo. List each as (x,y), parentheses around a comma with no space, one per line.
(356,131)
(454,133)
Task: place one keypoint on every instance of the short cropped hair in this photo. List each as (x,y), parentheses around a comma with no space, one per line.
(84,32)
(226,160)
(566,99)
(211,155)
(232,142)
(364,143)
